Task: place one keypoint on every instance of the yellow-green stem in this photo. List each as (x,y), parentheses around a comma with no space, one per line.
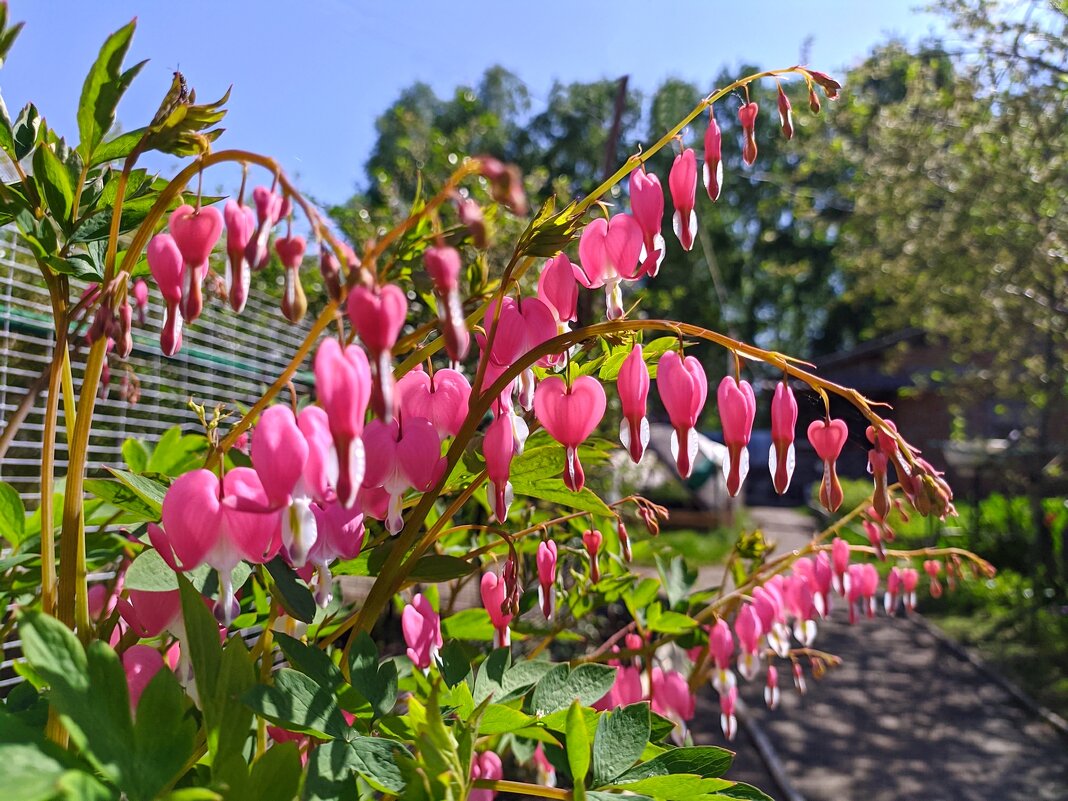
(522,788)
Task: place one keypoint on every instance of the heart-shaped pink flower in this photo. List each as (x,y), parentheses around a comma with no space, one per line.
(737,410)
(378,316)
(240,225)
(442,399)
(828,437)
(570,415)
(682,181)
(683,389)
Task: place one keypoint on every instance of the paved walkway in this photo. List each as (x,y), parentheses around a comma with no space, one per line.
(903,717)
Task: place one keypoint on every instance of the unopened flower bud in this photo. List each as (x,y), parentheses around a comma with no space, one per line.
(290,250)
(470,214)
(786,116)
(829,85)
(592,539)
(813,100)
(747,115)
(124,333)
(330,268)
(624,540)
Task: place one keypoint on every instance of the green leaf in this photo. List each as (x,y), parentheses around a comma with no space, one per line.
(705,761)
(104,86)
(150,573)
(118,148)
(499,719)
(229,720)
(118,494)
(375,682)
(578,744)
(293,594)
(619,742)
(135,454)
(560,686)
(177,453)
(440,567)
(164,733)
(29,773)
(78,786)
(554,491)
(680,787)
(276,774)
(668,622)
(12,515)
(677,577)
(202,642)
(468,624)
(489,683)
(297,703)
(454,662)
(54,182)
(374,758)
(148,490)
(312,662)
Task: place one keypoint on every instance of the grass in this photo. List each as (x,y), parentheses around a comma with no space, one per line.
(697,547)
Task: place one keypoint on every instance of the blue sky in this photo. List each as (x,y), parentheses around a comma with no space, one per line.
(310,77)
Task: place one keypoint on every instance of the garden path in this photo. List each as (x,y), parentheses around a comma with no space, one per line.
(904,716)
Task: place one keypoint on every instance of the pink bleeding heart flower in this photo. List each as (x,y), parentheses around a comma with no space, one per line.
(884,448)
(494,594)
(840,565)
(933,568)
(768,603)
(570,415)
(610,252)
(546,561)
(737,410)
(683,389)
(721,648)
(713,169)
(240,224)
(771,688)
(626,689)
(874,533)
(141,663)
(498,448)
(670,696)
(167,267)
(781,458)
(558,290)
(140,295)
(863,584)
(340,533)
(800,602)
(204,523)
(749,630)
(910,577)
(443,266)
(486,765)
(747,115)
(343,386)
(823,582)
(401,456)
(521,326)
(269,208)
(546,771)
(290,250)
(421,627)
(727,720)
(786,115)
(471,217)
(378,316)
(319,477)
(647,206)
(682,181)
(149,613)
(592,540)
(195,231)
(893,588)
(633,386)
(828,437)
(442,398)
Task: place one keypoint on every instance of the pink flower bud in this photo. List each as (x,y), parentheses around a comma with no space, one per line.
(747,115)
(141,664)
(647,206)
(829,85)
(378,317)
(624,540)
(771,688)
(494,600)
(633,386)
(840,564)
(240,225)
(713,169)
(140,295)
(124,329)
(290,250)
(737,410)
(165,263)
(558,289)
(546,561)
(498,448)
(421,627)
(195,233)
(828,437)
(471,217)
(268,213)
(781,458)
(592,539)
(727,721)
(682,181)
(330,269)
